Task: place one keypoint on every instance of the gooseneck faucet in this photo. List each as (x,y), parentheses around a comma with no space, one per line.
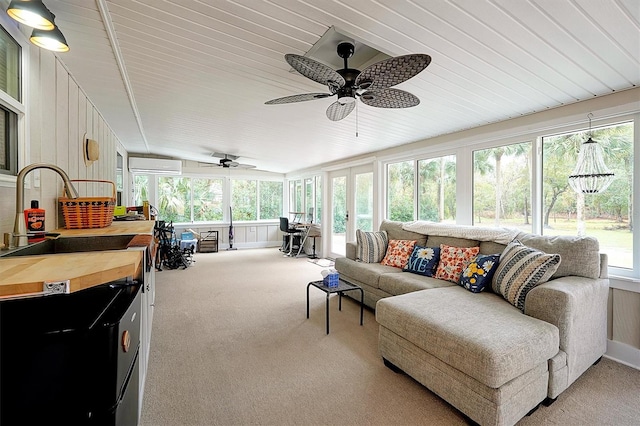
(20,225)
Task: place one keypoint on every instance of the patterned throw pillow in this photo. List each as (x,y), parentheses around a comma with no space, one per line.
(371,246)
(423,260)
(477,275)
(398,253)
(453,260)
(522,268)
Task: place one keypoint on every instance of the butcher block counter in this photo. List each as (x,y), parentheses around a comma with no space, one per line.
(24,275)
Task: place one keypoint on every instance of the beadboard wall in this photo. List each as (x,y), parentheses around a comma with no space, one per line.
(59,116)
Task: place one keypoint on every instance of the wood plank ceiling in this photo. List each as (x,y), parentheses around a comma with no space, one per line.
(185,78)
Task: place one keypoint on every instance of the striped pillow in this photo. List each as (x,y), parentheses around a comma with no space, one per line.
(521,268)
(371,246)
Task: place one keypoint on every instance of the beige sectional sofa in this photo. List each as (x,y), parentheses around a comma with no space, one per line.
(492,361)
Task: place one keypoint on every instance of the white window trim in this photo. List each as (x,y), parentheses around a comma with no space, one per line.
(20,108)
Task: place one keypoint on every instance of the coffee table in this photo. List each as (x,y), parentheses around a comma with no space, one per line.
(342,287)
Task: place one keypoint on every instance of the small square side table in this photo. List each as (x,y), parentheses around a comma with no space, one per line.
(342,287)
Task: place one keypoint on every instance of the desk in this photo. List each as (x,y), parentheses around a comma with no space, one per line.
(303,228)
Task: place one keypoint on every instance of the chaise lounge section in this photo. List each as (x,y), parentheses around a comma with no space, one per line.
(488,358)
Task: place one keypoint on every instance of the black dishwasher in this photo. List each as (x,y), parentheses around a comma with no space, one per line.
(71,359)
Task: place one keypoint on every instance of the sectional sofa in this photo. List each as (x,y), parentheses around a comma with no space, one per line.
(491,360)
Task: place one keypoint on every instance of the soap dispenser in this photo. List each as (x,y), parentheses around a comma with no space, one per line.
(34,217)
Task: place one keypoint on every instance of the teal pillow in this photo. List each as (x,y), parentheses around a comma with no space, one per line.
(479,272)
(423,261)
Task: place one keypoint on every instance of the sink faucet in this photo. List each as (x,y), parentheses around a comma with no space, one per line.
(20,226)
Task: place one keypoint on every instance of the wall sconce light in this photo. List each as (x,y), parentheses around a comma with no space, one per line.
(35,14)
(591,175)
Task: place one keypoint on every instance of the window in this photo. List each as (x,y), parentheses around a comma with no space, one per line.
(606,216)
(364,201)
(207,199)
(244,200)
(318,210)
(8,142)
(308,198)
(502,186)
(174,199)
(140,189)
(400,185)
(437,189)
(10,84)
(270,199)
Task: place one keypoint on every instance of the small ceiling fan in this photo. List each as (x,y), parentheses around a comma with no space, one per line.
(228,161)
(372,85)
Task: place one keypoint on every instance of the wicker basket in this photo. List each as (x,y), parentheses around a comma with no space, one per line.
(88,212)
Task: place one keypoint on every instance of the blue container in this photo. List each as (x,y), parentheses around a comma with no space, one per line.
(331,280)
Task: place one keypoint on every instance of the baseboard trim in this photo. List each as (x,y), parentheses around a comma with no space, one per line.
(623,353)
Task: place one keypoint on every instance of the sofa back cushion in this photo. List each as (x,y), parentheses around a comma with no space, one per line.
(580,255)
(395,232)
(437,240)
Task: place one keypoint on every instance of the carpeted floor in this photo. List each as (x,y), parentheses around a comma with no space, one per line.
(231,345)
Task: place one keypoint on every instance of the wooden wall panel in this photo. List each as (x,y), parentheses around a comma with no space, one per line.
(626,317)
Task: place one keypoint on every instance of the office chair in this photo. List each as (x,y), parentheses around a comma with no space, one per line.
(290,233)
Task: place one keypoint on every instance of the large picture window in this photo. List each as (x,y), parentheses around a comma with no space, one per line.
(437,189)
(502,186)
(400,187)
(607,216)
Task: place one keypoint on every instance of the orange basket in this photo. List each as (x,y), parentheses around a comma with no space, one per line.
(88,212)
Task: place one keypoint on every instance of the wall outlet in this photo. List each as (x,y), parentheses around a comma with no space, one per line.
(56,287)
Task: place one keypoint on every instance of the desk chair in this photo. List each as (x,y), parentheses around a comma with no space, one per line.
(288,239)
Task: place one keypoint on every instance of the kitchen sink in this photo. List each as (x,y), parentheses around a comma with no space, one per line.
(72,245)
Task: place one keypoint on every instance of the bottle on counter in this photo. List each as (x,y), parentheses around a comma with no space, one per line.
(34,217)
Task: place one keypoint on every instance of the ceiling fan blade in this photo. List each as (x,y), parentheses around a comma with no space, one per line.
(389,98)
(314,70)
(245,166)
(298,98)
(392,71)
(338,111)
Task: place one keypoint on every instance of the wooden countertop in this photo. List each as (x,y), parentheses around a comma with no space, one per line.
(24,275)
(125,227)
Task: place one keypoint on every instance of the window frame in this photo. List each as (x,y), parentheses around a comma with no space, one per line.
(20,108)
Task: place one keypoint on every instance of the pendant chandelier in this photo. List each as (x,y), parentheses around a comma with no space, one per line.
(591,175)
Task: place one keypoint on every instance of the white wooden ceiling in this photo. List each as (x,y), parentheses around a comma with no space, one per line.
(185,78)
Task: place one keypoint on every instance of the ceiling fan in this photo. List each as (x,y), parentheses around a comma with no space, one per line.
(372,85)
(228,161)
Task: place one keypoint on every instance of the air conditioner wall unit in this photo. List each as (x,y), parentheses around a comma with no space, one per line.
(155,166)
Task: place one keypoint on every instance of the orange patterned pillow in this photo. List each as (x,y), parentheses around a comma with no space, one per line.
(398,252)
(453,260)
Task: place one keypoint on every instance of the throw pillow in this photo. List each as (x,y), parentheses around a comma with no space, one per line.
(371,246)
(478,274)
(453,260)
(522,268)
(423,260)
(398,253)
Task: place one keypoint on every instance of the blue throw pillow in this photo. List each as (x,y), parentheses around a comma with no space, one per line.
(479,272)
(423,260)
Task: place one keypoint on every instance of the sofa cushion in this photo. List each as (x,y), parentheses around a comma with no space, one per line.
(398,252)
(521,268)
(367,273)
(395,232)
(453,260)
(395,284)
(438,240)
(423,260)
(371,246)
(478,274)
(580,255)
(445,323)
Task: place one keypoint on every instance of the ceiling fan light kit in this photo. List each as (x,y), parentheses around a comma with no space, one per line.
(373,85)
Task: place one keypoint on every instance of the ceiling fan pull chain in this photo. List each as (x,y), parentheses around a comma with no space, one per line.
(356,119)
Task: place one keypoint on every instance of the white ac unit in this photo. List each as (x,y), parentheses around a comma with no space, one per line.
(155,166)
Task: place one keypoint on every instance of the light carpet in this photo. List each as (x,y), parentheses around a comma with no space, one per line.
(231,345)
